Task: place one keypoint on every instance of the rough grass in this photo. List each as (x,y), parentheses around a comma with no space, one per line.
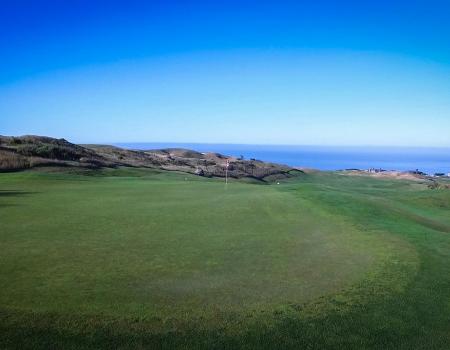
(147,259)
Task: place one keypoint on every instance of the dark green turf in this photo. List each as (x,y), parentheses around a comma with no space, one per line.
(143,259)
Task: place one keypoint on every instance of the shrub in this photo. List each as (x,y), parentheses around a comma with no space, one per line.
(12,161)
(49,151)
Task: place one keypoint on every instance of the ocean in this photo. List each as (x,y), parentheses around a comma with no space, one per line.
(428,160)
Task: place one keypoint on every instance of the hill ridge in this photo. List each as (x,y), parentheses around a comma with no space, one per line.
(30,151)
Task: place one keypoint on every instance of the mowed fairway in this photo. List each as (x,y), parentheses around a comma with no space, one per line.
(142,259)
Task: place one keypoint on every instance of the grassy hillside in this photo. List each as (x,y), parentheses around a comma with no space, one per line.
(25,152)
(135,258)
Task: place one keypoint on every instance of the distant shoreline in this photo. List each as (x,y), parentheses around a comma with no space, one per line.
(429,160)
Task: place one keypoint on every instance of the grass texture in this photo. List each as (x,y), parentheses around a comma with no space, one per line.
(131,259)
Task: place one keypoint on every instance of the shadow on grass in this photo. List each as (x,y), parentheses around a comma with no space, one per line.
(14,193)
(10,194)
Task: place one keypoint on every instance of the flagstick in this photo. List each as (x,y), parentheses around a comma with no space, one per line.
(226,174)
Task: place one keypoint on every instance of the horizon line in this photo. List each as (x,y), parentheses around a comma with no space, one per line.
(272,144)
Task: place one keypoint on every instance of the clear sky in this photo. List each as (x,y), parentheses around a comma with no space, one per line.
(265,72)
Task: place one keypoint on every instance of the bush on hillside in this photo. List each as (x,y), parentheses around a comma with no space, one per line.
(49,151)
(12,161)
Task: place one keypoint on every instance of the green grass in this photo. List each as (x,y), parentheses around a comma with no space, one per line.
(132,258)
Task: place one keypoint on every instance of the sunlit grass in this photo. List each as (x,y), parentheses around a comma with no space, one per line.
(143,258)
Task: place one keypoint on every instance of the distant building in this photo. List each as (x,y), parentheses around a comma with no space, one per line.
(376,170)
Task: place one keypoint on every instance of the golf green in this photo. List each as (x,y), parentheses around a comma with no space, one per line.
(146,259)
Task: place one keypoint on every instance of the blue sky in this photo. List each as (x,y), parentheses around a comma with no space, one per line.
(265,72)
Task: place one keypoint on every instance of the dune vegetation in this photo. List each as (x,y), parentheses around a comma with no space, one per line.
(142,258)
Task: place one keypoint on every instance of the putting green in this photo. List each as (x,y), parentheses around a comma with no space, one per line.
(165,246)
